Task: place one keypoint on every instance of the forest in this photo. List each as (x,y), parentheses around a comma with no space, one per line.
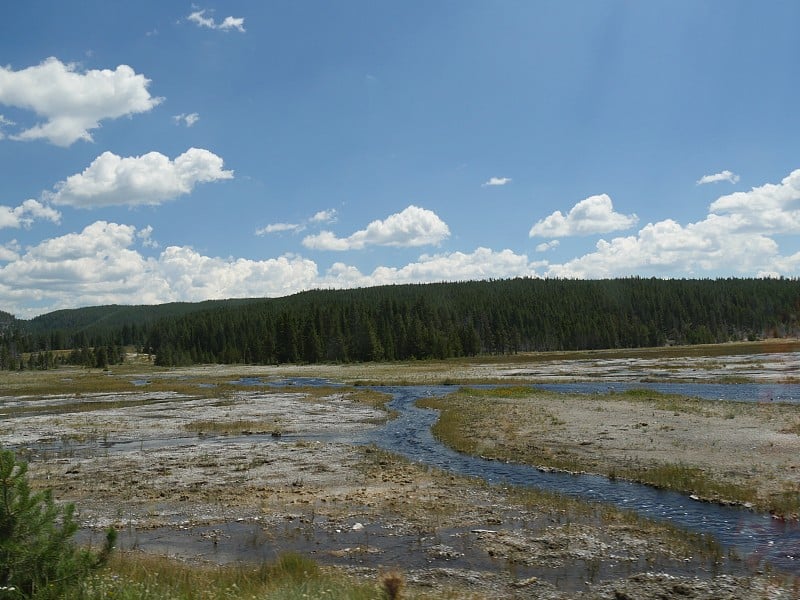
(401,322)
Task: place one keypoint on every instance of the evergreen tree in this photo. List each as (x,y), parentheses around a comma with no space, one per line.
(37,556)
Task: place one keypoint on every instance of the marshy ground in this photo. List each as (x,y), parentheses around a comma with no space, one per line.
(192,464)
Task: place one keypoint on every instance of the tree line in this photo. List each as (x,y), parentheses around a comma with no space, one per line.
(463,319)
(421,321)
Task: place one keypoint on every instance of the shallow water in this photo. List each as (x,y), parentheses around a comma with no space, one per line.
(756,537)
(738,392)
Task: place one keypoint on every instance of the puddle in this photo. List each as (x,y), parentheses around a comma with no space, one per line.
(379,546)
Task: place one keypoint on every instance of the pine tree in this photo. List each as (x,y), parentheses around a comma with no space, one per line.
(37,556)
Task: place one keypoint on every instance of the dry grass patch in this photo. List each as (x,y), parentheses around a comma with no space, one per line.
(718,451)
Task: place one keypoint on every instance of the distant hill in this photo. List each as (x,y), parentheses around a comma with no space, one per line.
(467,318)
(442,320)
(93,326)
(117,315)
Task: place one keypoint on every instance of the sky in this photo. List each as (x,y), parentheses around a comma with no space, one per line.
(161,151)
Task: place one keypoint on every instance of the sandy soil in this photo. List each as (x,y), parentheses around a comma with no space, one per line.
(735,445)
(200,471)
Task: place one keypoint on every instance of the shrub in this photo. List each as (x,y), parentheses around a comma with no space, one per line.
(37,556)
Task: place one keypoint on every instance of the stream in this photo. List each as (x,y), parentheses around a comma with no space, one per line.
(758,538)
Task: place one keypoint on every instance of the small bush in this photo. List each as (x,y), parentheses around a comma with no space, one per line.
(37,556)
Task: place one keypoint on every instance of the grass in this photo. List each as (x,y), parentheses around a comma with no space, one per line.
(134,576)
(497,424)
(234,427)
(71,389)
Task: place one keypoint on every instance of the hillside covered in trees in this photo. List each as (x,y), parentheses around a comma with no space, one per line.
(433,321)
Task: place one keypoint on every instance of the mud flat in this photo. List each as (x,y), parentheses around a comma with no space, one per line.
(188,464)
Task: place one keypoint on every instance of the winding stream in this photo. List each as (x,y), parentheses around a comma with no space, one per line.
(755,537)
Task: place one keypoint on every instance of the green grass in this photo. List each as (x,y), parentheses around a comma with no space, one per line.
(132,576)
(234,427)
(470,422)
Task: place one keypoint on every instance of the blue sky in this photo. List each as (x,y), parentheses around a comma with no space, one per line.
(167,151)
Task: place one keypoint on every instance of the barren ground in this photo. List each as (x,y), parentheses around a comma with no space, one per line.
(186,464)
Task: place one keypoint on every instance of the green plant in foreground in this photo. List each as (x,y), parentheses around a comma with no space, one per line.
(37,556)
(136,576)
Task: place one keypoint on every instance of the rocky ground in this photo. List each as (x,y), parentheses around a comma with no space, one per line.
(229,473)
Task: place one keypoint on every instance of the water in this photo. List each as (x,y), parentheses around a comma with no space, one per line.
(756,537)
(738,392)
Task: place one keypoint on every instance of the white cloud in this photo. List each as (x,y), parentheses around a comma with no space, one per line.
(324,216)
(545,246)
(721,176)
(27,212)
(4,123)
(232,23)
(668,248)
(198,18)
(73,103)
(194,277)
(595,214)
(148,179)
(186,119)
(733,239)
(483,263)
(413,226)
(95,266)
(279,227)
(9,251)
(145,235)
(100,265)
(493,181)
(770,208)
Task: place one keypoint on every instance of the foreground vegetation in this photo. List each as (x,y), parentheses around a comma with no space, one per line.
(37,556)
(134,576)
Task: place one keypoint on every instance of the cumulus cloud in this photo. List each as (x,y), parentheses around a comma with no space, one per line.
(9,251)
(483,263)
(200,19)
(721,176)
(733,239)
(668,248)
(771,208)
(413,226)
(26,213)
(101,265)
(493,181)
(145,235)
(186,119)
(71,102)
(149,179)
(95,266)
(545,246)
(595,214)
(324,216)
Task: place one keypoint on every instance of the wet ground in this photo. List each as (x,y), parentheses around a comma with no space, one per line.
(250,473)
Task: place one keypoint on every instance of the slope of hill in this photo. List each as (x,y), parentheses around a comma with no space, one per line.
(398,322)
